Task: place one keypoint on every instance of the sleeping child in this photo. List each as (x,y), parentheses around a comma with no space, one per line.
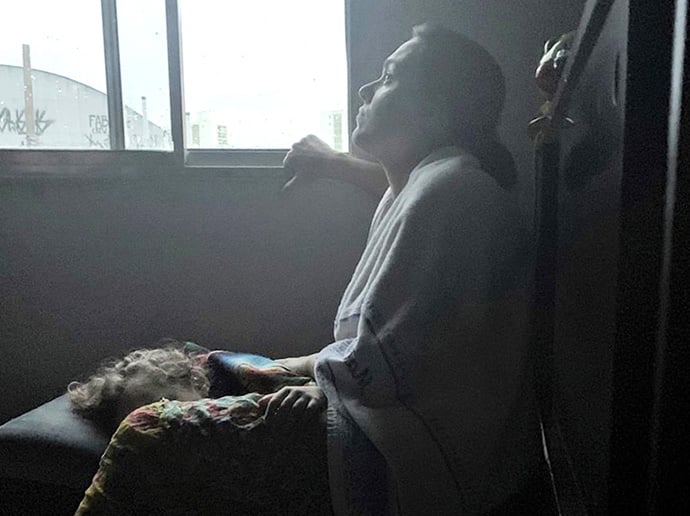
(191,431)
(173,370)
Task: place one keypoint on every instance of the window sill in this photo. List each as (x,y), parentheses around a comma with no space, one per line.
(20,164)
(235,158)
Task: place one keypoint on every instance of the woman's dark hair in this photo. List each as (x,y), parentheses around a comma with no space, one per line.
(467,81)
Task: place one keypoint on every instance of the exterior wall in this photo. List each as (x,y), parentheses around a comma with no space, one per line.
(67,114)
(216,130)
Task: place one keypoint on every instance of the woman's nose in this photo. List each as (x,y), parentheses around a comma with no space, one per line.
(367,91)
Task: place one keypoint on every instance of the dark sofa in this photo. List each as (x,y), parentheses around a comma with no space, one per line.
(47,459)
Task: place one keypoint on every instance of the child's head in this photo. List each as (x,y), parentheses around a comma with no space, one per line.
(141,377)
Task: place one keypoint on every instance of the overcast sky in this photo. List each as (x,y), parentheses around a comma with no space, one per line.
(277,58)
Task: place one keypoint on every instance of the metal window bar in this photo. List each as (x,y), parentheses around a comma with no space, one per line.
(174,39)
(113,79)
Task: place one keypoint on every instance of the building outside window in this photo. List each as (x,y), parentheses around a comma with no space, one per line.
(257,75)
(222,136)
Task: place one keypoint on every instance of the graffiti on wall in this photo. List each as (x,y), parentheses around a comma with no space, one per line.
(99,124)
(95,135)
(101,142)
(99,135)
(15,122)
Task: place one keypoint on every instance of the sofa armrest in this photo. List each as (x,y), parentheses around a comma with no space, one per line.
(51,445)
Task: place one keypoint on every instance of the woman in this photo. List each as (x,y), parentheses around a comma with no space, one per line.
(430,403)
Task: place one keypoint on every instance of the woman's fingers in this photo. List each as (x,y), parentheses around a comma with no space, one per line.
(274,402)
(299,407)
(281,403)
(289,401)
(292,404)
(315,405)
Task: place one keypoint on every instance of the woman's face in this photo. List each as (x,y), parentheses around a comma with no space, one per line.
(394,107)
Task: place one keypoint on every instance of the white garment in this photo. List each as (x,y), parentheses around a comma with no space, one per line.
(429,359)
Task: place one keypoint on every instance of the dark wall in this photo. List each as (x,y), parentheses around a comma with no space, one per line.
(94,265)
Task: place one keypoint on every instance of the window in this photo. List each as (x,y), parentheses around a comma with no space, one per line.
(144,72)
(270,71)
(256,77)
(52,79)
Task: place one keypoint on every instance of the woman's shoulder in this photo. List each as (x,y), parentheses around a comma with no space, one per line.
(454,180)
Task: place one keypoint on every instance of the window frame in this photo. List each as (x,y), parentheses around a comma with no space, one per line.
(113,76)
(37,161)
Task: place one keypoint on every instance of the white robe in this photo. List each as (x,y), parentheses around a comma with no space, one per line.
(430,361)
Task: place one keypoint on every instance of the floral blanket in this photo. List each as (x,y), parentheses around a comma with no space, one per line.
(212,456)
(242,373)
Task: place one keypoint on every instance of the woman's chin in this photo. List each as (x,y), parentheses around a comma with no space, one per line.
(359,138)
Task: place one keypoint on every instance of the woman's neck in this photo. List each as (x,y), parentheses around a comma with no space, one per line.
(398,168)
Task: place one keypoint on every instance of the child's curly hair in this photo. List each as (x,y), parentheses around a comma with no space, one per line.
(97,398)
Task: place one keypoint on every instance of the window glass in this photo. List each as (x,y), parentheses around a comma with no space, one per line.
(144,74)
(52,75)
(262,74)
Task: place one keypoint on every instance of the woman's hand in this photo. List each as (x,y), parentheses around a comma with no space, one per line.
(294,404)
(308,158)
